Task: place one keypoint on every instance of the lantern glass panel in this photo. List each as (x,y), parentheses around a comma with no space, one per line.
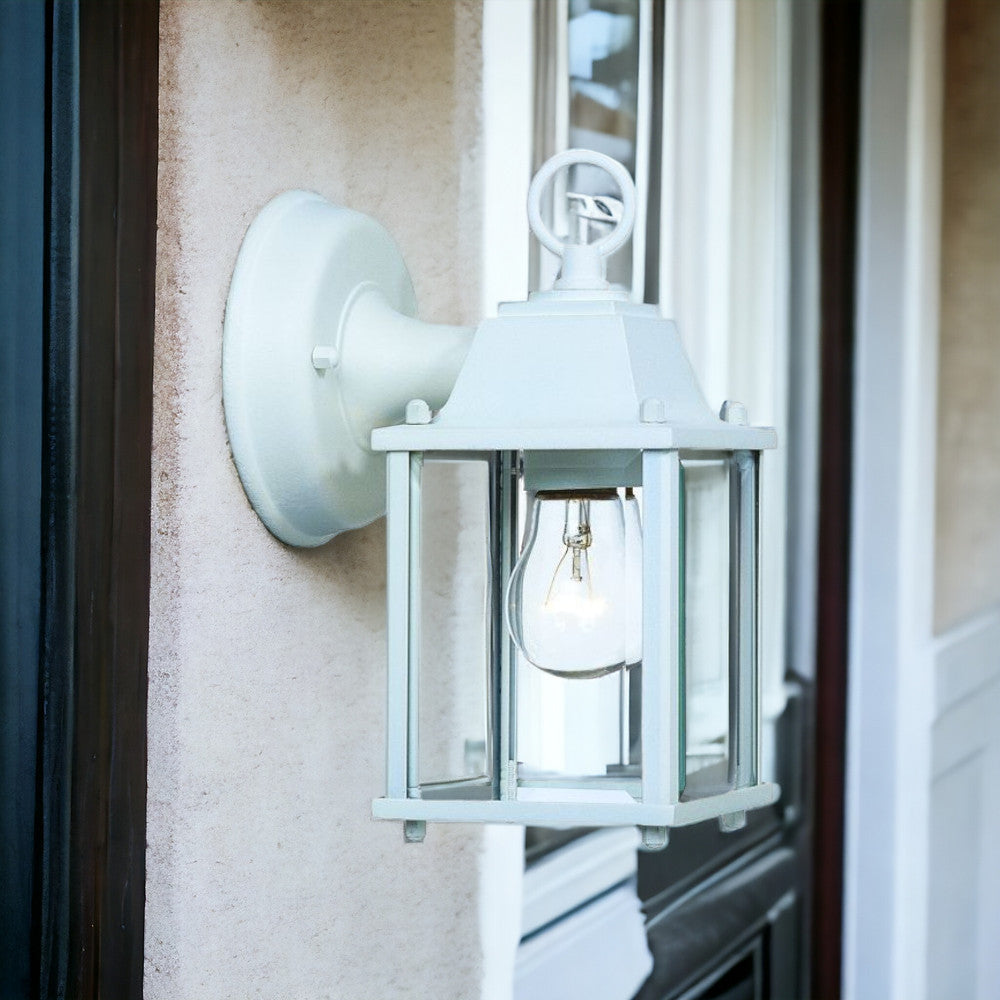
(706,616)
(454,620)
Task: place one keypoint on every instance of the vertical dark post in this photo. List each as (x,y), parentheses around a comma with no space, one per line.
(840,111)
(117,240)
(59,477)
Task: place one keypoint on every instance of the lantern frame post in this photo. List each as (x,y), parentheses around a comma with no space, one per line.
(503,556)
(399,606)
(662,694)
(744,681)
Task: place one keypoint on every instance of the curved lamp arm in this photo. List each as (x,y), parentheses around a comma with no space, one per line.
(320,347)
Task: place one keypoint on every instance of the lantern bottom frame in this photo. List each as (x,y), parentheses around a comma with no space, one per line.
(560,814)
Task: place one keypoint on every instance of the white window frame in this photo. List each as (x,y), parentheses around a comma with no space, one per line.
(725,210)
(891,656)
(726,213)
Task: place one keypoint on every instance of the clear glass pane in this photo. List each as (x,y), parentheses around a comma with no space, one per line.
(454,623)
(706,617)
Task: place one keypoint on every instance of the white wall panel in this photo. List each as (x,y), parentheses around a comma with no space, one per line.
(956,847)
(963,959)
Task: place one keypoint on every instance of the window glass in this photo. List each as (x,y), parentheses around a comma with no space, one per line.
(454,623)
(595,105)
(706,612)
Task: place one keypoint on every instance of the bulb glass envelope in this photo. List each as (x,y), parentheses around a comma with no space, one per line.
(579,391)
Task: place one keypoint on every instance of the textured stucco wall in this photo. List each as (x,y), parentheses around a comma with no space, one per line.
(968,469)
(266,876)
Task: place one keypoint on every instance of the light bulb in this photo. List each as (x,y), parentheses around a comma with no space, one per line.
(567,600)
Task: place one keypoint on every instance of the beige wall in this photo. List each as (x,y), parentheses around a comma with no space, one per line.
(968,470)
(266,875)
(963,883)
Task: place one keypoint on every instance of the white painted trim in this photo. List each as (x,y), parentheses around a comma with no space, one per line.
(891,680)
(967,659)
(702,263)
(507,123)
(759,274)
(568,878)
(725,264)
(571,959)
(508,87)
(696,182)
(967,675)
(501,865)
(965,887)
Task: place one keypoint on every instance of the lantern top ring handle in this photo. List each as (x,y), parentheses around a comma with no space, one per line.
(606,245)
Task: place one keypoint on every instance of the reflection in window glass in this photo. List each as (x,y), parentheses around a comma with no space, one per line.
(454,731)
(600,85)
(603,77)
(706,609)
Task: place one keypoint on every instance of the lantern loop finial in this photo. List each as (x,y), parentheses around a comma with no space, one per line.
(583,263)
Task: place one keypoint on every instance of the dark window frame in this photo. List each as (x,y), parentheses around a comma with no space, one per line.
(91,328)
(119,43)
(839,136)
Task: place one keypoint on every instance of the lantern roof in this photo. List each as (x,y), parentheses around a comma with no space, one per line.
(575,370)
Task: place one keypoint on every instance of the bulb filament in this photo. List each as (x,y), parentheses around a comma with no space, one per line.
(576,541)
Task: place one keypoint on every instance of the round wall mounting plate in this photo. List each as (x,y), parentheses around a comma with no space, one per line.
(303,457)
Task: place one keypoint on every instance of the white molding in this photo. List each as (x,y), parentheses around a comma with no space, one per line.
(501,866)
(570,959)
(967,658)
(696,182)
(962,959)
(758,345)
(891,680)
(507,123)
(569,877)
(725,254)
(706,233)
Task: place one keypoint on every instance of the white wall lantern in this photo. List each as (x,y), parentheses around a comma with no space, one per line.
(583,407)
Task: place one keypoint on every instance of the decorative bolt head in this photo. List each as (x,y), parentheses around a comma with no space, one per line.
(418,412)
(324,357)
(734,413)
(414,831)
(653,410)
(654,838)
(731,822)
